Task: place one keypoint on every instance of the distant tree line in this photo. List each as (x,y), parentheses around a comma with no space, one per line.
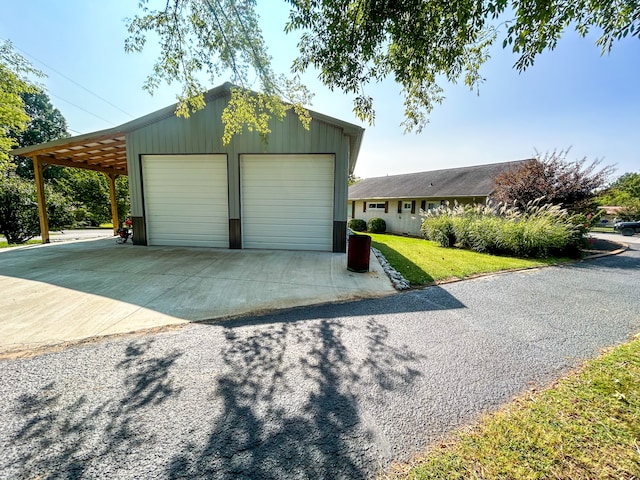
(75,197)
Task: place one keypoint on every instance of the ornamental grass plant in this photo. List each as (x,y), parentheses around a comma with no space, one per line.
(535,231)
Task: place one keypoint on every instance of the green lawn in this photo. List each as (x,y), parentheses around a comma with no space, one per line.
(587,426)
(603,229)
(422,262)
(4,244)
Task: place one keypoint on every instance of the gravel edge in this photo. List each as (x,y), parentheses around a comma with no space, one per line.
(397,280)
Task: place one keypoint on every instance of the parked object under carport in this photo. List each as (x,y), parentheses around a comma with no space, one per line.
(359,253)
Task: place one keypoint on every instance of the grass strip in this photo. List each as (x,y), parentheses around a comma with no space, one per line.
(423,262)
(586,426)
(4,244)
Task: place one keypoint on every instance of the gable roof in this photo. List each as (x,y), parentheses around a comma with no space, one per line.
(105,150)
(475,181)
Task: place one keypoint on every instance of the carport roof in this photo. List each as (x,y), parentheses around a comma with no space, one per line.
(106,150)
(103,151)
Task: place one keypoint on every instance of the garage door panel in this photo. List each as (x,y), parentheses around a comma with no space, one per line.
(271,231)
(287,201)
(299,211)
(274,203)
(186,240)
(181,213)
(186,200)
(180,200)
(168,226)
(278,243)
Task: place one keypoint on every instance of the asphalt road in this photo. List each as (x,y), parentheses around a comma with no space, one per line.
(336,391)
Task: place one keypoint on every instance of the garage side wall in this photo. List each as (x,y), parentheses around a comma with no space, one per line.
(202,132)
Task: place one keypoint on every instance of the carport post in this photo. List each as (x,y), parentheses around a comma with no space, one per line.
(114,203)
(38,172)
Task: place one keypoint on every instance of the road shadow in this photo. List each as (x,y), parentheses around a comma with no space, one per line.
(429,299)
(62,429)
(282,400)
(295,415)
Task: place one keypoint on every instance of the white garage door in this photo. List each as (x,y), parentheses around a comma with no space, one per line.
(287,201)
(185,199)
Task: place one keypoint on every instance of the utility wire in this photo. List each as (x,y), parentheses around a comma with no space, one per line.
(73,81)
(84,110)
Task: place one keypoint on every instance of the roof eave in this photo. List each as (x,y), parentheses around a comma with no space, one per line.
(413,197)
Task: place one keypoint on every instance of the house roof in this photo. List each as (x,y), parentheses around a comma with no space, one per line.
(105,150)
(611,209)
(475,181)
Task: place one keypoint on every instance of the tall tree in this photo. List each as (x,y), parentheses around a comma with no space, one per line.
(352,43)
(624,192)
(14,81)
(551,178)
(46,123)
(88,191)
(628,183)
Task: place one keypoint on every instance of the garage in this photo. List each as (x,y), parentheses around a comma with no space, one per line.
(186,200)
(287,201)
(191,184)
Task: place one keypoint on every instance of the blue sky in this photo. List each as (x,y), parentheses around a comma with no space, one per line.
(572,97)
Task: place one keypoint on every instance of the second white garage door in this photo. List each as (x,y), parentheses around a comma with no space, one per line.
(287,201)
(186,200)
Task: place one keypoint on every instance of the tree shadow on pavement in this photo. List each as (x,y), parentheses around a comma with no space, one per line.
(61,430)
(426,300)
(277,399)
(290,404)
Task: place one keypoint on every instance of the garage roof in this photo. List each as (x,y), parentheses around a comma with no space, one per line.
(106,150)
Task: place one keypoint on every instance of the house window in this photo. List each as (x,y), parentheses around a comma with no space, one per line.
(379,206)
(431,206)
(406,206)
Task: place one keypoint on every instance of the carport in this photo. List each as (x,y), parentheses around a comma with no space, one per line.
(103,151)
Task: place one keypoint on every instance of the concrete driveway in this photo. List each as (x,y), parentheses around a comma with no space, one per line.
(53,294)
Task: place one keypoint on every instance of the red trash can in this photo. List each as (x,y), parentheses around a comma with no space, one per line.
(358,253)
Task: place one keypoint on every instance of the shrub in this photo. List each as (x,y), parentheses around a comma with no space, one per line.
(538,231)
(377,225)
(486,235)
(357,225)
(18,209)
(59,210)
(439,228)
(19,220)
